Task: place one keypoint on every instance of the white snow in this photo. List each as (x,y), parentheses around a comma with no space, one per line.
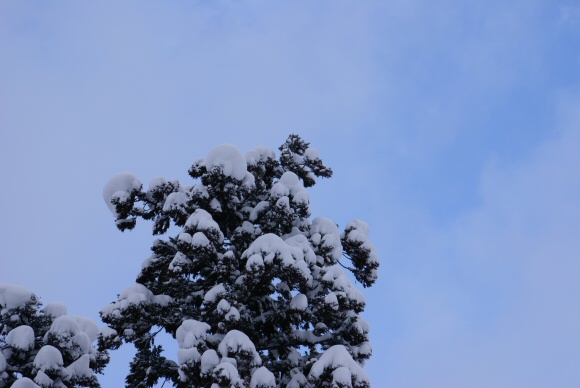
(332,300)
(12,296)
(43,380)
(215,205)
(299,302)
(298,379)
(48,357)
(290,184)
(80,367)
(186,355)
(190,333)
(156,182)
(21,337)
(233,314)
(236,341)
(175,201)
(255,263)
(341,284)
(229,371)
(214,293)
(209,359)
(259,154)
(263,378)
(229,158)
(134,295)
(223,306)
(24,382)
(83,342)
(326,231)
(201,220)
(334,358)
(200,240)
(311,153)
(89,327)
(120,184)
(64,325)
(55,309)
(341,375)
(2,363)
(259,208)
(179,260)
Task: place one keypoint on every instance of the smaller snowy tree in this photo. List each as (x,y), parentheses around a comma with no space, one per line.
(252,289)
(45,347)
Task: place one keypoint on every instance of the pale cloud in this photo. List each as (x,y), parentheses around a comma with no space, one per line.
(495,303)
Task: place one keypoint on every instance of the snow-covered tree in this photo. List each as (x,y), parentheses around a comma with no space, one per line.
(45,347)
(252,289)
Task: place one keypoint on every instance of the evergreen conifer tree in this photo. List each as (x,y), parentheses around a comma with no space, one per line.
(253,291)
(45,347)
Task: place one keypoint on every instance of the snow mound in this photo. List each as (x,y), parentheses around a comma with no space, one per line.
(259,154)
(230,159)
(135,295)
(325,233)
(48,357)
(80,367)
(339,360)
(263,378)
(121,185)
(12,297)
(190,333)
(55,309)
(21,337)
(237,342)
(24,382)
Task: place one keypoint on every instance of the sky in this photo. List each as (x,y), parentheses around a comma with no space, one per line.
(452,127)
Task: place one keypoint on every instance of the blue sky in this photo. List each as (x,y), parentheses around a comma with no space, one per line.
(452,127)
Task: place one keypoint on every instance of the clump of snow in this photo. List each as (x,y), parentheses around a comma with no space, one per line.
(342,285)
(227,371)
(229,158)
(298,379)
(214,293)
(237,342)
(259,154)
(156,182)
(201,220)
(223,306)
(64,325)
(175,201)
(337,357)
(55,309)
(119,186)
(299,302)
(324,233)
(47,358)
(80,367)
(12,297)
(21,337)
(43,379)
(263,378)
(341,375)
(290,185)
(311,153)
(2,363)
(24,382)
(191,332)
(199,240)
(135,295)
(233,314)
(209,359)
